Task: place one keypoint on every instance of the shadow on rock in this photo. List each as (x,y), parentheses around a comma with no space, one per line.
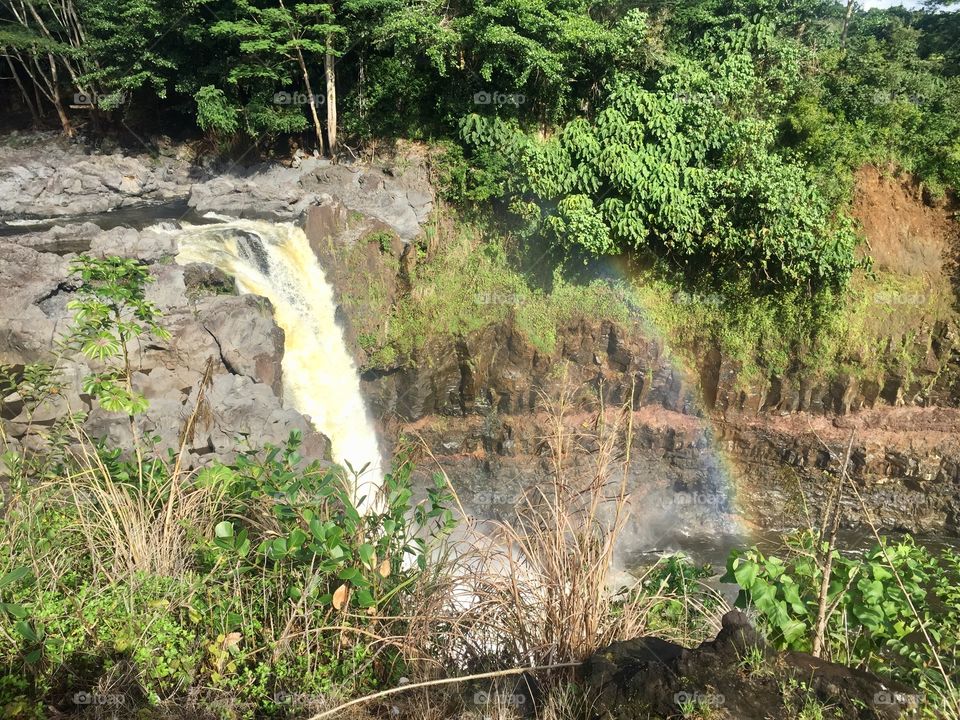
(734,676)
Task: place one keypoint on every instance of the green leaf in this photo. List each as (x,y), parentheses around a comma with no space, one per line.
(870,616)
(14,576)
(296,539)
(792,595)
(793,630)
(366,553)
(25,631)
(17,611)
(746,573)
(349,574)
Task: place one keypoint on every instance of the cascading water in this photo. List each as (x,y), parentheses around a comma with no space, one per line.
(275,260)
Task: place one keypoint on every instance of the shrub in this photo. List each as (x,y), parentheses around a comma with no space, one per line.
(885,607)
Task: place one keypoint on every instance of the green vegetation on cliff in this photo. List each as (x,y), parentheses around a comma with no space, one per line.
(721,135)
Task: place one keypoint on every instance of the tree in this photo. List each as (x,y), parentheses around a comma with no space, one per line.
(687,164)
(272,41)
(47,41)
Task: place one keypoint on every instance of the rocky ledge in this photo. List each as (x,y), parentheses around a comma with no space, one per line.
(48,176)
(231,339)
(736,676)
(43,177)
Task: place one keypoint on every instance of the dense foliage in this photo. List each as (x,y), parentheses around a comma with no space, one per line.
(721,135)
(689,164)
(886,606)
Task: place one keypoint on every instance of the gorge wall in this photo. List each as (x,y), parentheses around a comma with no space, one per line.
(478,400)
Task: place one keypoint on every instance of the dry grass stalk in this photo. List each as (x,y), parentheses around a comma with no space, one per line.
(950,700)
(142,526)
(538,589)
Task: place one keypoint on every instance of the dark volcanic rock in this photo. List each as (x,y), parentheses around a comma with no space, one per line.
(648,677)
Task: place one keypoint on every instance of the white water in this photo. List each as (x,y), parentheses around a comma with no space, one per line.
(275,260)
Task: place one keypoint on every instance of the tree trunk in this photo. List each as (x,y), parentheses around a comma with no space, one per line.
(846,24)
(23,91)
(328,69)
(55,98)
(310,98)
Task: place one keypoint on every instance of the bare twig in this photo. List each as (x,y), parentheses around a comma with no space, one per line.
(442,681)
(822,614)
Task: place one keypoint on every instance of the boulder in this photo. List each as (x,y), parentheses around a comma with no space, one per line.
(648,676)
(244,414)
(147,245)
(249,341)
(28,279)
(401,203)
(51,177)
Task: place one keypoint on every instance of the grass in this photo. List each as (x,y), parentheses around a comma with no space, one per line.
(801,701)
(463,282)
(881,324)
(754,662)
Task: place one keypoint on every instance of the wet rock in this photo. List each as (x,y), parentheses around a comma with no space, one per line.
(498,369)
(169,289)
(361,257)
(245,414)
(60,239)
(904,469)
(649,676)
(261,190)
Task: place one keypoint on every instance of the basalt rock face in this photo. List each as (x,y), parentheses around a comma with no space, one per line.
(30,281)
(497,370)
(232,340)
(480,402)
(905,463)
(648,677)
(47,176)
(935,382)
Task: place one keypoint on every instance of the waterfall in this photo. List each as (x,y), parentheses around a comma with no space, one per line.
(275,260)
